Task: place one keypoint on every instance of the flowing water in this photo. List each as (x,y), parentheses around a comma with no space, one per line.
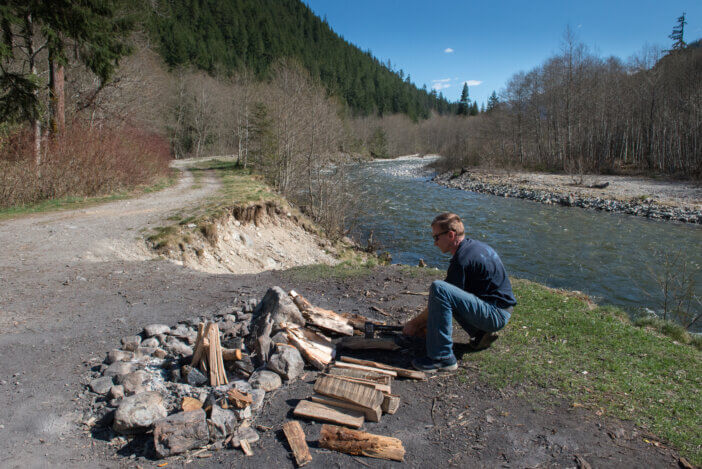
(614,258)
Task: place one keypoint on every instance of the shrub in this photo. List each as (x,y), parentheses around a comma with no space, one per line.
(86,161)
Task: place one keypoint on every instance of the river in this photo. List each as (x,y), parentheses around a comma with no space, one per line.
(616,259)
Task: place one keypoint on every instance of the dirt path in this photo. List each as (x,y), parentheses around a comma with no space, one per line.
(73,283)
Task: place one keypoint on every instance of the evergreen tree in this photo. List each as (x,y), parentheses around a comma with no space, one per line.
(464,102)
(677,34)
(492,102)
(474,109)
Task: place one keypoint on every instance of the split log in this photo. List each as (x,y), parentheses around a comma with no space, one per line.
(323,413)
(371,414)
(369,368)
(402,372)
(361,443)
(391,402)
(239,399)
(384,388)
(367,375)
(315,348)
(358,393)
(296,439)
(322,318)
(208,353)
(361,343)
(357,321)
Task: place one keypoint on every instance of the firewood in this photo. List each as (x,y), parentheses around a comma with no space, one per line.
(391,403)
(374,369)
(190,404)
(357,393)
(324,413)
(231,354)
(246,447)
(322,318)
(402,372)
(315,348)
(361,343)
(239,399)
(296,439)
(384,388)
(354,373)
(361,443)
(199,346)
(357,321)
(212,359)
(371,414)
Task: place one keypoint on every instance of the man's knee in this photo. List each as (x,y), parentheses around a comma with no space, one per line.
(436,288)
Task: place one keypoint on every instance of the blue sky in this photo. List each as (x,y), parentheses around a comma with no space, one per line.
(445,43)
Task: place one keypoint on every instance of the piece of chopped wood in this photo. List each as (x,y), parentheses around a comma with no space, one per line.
(199,345)
(403,372)
(374,369)
(355,373)
(315,348)
(246,447)
(371,414)
(358,393)
(324,413)
(391,402)
(384,388)
(239,399)
(231,354)
(361,443)
(190,403)
(298,444)
(322,318)
(357,321)
(361,343)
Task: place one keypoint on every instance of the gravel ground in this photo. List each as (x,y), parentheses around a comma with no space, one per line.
(73,283)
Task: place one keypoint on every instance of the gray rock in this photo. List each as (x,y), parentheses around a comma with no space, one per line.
(257,395)
(195,377)
(245,433)
(241,386)
(142,352)
(101,385)
(287,362)
(280,338)
(137,413)
(177,347)
(278,304)
(131,343)
(266,380)
(221,423)
(243,414)
(155,329)
(151,342)
(160,353)
(119,356)
(117,392)
(133,381)
(180,432)
(119,369)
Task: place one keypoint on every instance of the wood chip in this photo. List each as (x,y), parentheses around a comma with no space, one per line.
(190,403)
(298,444)
(238,399)
(391,402)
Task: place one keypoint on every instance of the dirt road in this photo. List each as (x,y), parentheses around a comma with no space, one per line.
(73,283)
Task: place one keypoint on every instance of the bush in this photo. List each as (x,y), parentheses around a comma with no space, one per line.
(86,161)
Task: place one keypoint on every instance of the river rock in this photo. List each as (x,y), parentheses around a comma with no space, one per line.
(119,369)
(257,395)
(266,380)
(155,329)
(119,356)
(151,342)
(177,347)
(287,362)
(137,413)
(194,376)
(101,385)
(221,423)
(116,392)
(242,386)
(142,352)
(180,432)
(133,382)
(131,343)
(281,308)
(160,353)
(244,433)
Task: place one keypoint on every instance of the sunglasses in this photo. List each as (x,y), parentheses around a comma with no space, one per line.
(439,235)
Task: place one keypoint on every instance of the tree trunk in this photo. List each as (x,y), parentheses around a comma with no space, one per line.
(57,97)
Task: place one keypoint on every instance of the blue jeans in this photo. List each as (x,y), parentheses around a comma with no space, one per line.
(473,314)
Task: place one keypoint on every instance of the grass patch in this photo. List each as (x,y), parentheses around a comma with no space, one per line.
(561,345)
(670,329)
(345,269)
(75,202)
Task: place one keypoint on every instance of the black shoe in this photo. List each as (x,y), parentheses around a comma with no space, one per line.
(429,365)
(483,340)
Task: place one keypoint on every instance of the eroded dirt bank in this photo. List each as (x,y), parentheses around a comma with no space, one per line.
(651,198)
(74,283)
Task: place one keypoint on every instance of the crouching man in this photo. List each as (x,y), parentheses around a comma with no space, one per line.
(477,292)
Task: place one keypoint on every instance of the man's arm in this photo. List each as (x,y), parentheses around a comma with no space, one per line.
(417,326)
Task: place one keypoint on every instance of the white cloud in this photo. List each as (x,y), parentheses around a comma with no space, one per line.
(442,80)
(448,50)
(440,86)
(472,82)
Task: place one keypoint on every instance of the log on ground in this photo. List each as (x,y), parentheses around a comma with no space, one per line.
(361,443)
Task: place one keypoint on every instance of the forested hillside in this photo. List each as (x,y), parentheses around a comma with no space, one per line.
(229,35)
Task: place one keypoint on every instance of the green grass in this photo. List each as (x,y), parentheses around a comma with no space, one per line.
(562,345)
(74,202)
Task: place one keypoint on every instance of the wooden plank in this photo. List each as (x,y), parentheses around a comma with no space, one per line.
(298,444)
(354,373)
(212,358)
(384,388)
(371,414)
(361,443)
(405,373)
(391,402)
(361,394)
(345,364)
(323,413)
(361,343)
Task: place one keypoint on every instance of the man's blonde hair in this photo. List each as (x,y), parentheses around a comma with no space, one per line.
(449,222)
